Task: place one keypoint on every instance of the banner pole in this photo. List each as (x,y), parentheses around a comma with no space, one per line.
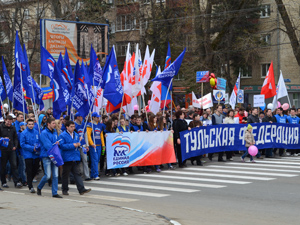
(145,109)
(171,110)
(120,110)
(167,95)
(202,97)
(2,107)
(21,75)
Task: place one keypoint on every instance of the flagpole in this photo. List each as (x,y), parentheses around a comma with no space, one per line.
(35,116)
(121,109)
(167,95)
(3,108)
(145,109)
(171,110)
(21,75)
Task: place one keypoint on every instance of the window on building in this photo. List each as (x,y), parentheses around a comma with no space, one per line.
(26,14)
(265,11)
(126,22)
(266,39)
(121,48)
(264,69)
(246,72)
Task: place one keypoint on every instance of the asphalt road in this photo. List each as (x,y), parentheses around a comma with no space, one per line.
(266,192)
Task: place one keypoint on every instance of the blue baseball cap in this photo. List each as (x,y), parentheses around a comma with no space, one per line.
(23,124)
(76,115)
(95,114)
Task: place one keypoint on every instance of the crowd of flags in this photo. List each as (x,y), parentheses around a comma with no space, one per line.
(269,89)
(89,86)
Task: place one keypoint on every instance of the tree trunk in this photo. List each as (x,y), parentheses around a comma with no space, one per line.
(290,30)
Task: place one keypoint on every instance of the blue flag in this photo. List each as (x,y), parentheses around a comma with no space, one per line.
(60,93)
(71,75)
(88,83)
(167,75)
(47,63)
(37,90)
(64,73)
(7,82)
(95,70)
(55,156)
(80,98)
(113,91)
(20,67)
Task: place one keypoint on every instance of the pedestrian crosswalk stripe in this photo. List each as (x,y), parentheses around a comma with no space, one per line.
(263,165)
(278,162)
(219,175)
(293,158)
(121,191)
(102,197)
(114,183)
(241,172)
(193,178)
(284,160)
(168,182)
(259,169)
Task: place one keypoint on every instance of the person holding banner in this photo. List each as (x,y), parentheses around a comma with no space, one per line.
(249,139)
(9,152)
(30,145)
(253,118)
(48,138)
(70,142)
(280,118)
(96,144)
(241,116)
(269,119)
(217,118)
(293,119)
(122,128)
(229,119)
(179,125)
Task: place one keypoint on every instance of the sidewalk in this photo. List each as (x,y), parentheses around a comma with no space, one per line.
(23,209)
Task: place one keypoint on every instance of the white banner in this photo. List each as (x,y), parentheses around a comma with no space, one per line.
(258,100)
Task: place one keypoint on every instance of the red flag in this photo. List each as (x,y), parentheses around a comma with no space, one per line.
(269,89)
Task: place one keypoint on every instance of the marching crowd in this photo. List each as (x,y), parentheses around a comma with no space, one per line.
(82,142)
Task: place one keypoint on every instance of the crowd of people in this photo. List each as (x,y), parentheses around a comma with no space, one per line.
(82,142)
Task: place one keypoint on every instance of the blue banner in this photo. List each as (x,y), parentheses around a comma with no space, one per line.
(221,84)
(230,137)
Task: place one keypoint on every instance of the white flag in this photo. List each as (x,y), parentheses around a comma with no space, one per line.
(281,91)
(232,100)
(156,95)
(195,101)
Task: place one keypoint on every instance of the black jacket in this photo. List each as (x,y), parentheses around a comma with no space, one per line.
(268,119)
(253,119)
(179,125)
(11,133)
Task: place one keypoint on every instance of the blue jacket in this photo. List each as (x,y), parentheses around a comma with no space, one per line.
(135,127)
(29,139)
(293,120)
(122,130)
(281,119)
(68,151)
(19,149)
(17,125)
(47,139)
(41,117)
(79,129)
(63,127)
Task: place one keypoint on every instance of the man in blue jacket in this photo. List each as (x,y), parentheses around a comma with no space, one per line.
(47,139)
(29,142)
(69,146)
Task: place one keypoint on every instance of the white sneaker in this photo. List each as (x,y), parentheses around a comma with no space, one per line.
(231,159)
(288,154)
(32,190)
(296,154)
(97,178)
(125,174)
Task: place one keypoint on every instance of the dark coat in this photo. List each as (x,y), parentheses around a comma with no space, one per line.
(268,119)
(179,125)
(11,133)
(253,119)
